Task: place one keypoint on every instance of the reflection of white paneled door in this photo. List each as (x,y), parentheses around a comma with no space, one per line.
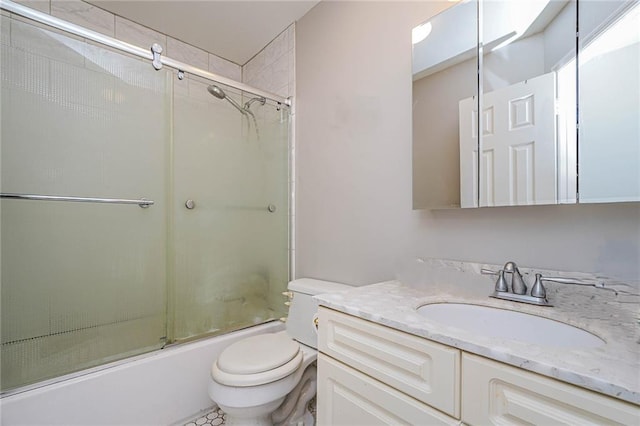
(468,122)
(518,162)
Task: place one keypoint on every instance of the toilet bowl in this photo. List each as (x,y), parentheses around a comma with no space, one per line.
(253,395)
(270,378)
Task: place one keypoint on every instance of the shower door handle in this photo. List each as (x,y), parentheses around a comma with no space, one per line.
(190,204)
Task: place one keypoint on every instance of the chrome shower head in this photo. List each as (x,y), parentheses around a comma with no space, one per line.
(216,91)
(219,93)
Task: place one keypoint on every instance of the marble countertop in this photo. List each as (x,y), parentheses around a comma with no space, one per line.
(612,369)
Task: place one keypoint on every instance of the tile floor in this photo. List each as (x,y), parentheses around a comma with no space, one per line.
(213,418)
(217,417)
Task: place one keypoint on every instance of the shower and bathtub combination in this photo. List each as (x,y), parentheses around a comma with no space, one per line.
(138,213)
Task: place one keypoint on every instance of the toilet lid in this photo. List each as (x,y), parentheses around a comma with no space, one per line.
(258,354)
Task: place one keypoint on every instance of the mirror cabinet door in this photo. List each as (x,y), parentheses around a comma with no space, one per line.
(609,101)
(445,79)
(528,99)
(560,114)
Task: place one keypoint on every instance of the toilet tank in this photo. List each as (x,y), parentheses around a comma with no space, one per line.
(303,309)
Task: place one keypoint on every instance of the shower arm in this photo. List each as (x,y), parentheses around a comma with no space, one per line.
(235,104)
(247,104)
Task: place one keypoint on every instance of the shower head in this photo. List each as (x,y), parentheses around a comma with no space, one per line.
(216,91)
(219,93)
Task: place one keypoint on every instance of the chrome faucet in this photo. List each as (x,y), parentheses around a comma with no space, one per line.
(515,289)
(518,285)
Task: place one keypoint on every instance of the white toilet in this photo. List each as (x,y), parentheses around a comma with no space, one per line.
(269,379)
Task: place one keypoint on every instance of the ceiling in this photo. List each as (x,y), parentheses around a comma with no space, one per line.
(454,36)
(235,30)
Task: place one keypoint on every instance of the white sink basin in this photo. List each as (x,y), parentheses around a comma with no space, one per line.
(511,325)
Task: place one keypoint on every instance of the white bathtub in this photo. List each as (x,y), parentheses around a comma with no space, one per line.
(161,388)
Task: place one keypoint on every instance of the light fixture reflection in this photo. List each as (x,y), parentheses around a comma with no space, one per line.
(420,32)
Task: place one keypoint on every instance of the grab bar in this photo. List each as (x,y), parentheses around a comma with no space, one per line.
(271,208)
(144,203)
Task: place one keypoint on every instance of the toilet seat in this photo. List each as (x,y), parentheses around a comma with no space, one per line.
(257,360)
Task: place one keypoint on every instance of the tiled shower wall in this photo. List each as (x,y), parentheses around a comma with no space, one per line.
(273,68)
(96,19)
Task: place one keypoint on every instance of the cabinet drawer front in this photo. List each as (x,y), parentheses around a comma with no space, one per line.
(347,397)
(496,393)
(427,371)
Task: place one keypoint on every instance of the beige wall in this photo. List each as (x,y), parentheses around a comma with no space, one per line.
(436,147)
(353,154)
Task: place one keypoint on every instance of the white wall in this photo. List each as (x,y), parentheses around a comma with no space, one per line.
(353,203)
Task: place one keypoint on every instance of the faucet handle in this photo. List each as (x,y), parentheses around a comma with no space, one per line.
(538,289)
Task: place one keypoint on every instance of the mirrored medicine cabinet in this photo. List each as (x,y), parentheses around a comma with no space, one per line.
(557,84)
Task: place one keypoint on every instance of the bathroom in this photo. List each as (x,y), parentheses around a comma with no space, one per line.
(354,221)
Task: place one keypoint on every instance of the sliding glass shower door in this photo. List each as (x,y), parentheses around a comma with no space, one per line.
(82,283)
(230,210)
(137,209)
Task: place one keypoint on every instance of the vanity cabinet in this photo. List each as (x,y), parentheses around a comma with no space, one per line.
(349,397)
(495,393)
(424,370)
(369,374)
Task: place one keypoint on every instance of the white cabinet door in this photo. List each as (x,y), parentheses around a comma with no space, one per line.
(498,394)
(425,370)
(348,397)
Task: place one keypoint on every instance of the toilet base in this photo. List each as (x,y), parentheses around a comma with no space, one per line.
(253,421)
(251,416)
(307,419)
(292,409)
(295,408)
